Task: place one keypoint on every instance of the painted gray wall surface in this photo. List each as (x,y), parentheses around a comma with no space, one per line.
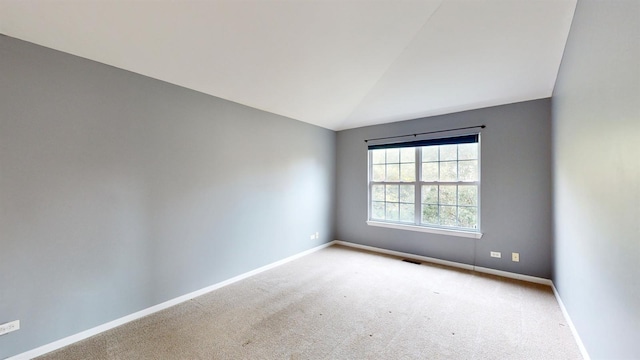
(119,192)
(596,130)
(516,189)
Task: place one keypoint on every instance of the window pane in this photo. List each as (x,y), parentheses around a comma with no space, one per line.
(468,217)
(407,194)
(430,214)
(407,212)
(448,171)
(448,216)
(468,151)
(392,211)
(468,170)
(408,155)
(430,171)
(393,156)
(468,195)
(377,156)
(377,192)
(430,153)
(392,193)
(448,152)
(429,194)
(377,210)
(378,173)
(393,172)
(407,172)
(448,195)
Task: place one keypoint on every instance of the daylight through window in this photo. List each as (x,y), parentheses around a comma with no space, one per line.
(430,183)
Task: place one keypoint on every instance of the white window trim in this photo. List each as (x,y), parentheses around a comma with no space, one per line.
(477,234)
(432,230)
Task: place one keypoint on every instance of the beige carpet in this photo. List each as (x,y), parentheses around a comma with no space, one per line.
(341,303)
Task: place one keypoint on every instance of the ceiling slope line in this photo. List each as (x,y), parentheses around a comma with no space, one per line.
(564,48)
(342,126)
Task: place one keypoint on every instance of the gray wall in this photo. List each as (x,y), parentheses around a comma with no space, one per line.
(515,195)
(596,130)
(119,192)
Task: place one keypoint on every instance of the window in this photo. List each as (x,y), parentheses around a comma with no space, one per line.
(433,184)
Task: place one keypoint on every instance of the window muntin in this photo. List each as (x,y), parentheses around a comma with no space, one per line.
(430,186)
(393,202)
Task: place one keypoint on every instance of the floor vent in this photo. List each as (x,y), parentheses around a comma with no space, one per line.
(411,261)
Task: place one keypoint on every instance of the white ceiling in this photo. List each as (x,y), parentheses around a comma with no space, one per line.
(338,64)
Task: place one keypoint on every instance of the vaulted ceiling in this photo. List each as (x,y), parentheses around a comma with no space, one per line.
(338,64)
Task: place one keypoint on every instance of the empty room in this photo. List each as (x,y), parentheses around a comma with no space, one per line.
(310,179)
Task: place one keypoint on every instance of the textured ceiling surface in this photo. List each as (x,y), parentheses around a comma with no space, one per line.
(337,64)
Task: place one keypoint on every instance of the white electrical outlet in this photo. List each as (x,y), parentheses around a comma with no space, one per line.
(317,235)
(9,327)
(515,257)
(496,254)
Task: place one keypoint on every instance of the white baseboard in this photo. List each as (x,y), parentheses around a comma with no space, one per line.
(407,255)
(137,315)
(123,320)
(528,278)
(506,274)
(576,336)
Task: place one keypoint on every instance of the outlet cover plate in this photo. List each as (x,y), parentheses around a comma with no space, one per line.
(9,327)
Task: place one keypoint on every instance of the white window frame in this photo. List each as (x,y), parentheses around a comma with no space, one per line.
(417,225)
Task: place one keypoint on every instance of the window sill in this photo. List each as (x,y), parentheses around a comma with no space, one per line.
(458,233)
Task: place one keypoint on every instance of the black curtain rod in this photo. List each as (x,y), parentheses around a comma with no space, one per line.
(425,133)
